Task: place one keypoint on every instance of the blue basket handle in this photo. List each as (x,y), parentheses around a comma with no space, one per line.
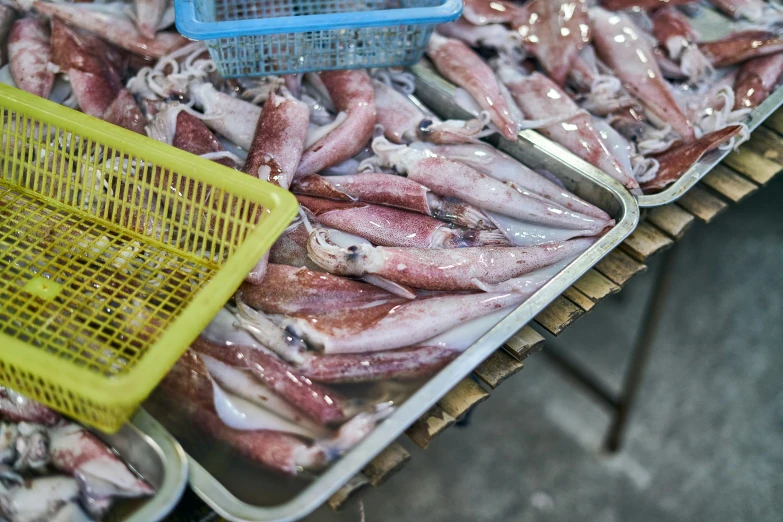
(188,24)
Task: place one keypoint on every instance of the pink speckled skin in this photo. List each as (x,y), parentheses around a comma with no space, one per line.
(122,32)
(29,51)
(679,158)
(756,79)
(352,93)
(740,46)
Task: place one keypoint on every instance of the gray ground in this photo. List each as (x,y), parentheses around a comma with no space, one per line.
(705,441)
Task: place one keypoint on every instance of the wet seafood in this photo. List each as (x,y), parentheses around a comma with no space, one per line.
(29,51)
(18,408)
(457,62)
(352,94)
(740,46)
(756,79)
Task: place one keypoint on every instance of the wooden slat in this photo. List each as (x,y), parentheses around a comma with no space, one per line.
(461,398)
(728,183)
(702,203)
(559,315)
(429,425)
(579,299)
(523,343)
(351,488)
(619,266)
(386,464)
(595,285)
(775,122)
(760,158)
(497,368)
(645,241)
(672,219)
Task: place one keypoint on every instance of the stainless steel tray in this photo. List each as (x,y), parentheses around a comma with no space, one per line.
(239,491)
(152,452)
(438,93)
(711,25)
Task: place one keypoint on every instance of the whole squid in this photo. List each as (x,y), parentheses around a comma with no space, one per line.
(392,191)
(432,269)
(542,99)
(115,27)
(29,52)
(95,81)
(756,79)
(352,93)
(455,179)
(740,46)
(554,31)
(388,226)
(622,46)
(459,64)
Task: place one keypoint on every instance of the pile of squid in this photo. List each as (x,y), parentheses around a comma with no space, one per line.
(53,470)
(413,237)
(627,85)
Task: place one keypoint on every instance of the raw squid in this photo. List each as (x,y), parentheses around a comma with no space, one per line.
(95,81)
(753,10)
(449,269)
(554,31)
(100,473)
(352,93)
(318,403)
(622,5)
(482,12)
(458,63)
(149,14)
(674,31)
(392,227)
(18,408)
(542,99)
(622,46)
(756,79)
(38,499)
(451,178)
(493,36)
(490,161)
(676,160)
(231,117)
(406,363)
(392,191)
(740,46)
(29,52)
(116,28)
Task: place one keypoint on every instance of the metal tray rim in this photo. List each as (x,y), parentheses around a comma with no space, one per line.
(226,505)
(175,464)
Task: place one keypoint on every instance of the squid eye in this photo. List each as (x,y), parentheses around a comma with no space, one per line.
(425,125)
(353,249)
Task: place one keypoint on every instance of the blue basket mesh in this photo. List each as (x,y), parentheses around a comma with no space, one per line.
(262,37)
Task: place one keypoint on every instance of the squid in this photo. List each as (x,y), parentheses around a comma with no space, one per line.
(387,226)
(622,46)
(459,64)
(392,191)
(404,363)
(542,99)
(455,179)
(39,499)
(432,269)
(257,436)
(404,122)
(554,31)
(674,32)
(17,408)
(753,10)
(623,5)
(740,46)
(29,52)
(95,81)
(228,116)
(149,14)
(114,27)
(679,158)
(98,470)
(492,36)
(482,12)
(756,79)
(352,94)
(318,403)
(7,18)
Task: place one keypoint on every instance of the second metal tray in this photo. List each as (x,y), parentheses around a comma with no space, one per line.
(240,491)
(438,93)
(147,448)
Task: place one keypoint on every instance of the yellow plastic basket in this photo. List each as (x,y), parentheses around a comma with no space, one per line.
(115,252)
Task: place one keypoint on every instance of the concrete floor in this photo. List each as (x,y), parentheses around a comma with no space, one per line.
(705,440)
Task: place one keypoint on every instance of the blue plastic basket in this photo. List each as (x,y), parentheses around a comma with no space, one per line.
(263,37)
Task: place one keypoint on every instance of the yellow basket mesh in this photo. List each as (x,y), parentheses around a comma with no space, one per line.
(115,252)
